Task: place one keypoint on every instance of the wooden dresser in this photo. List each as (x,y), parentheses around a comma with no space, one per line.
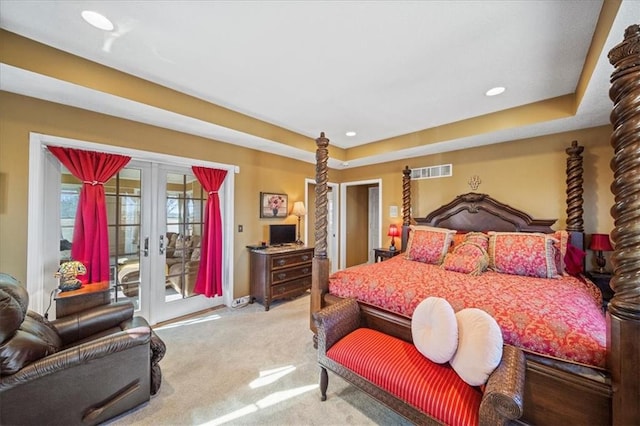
(278,273)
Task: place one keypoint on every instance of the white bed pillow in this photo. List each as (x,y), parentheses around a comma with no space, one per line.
(479,346)
(434,329)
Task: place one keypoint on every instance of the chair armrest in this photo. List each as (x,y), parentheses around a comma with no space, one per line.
(503,398)
(74,327)
(135,333)
(336,321)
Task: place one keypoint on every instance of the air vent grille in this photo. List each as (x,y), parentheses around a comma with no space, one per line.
(431,172)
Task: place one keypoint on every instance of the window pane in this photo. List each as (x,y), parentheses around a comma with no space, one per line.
(129,210)
(110,201)
(184,216)
(130,182)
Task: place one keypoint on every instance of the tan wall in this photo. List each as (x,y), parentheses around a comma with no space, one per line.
(528,174)
(20,115)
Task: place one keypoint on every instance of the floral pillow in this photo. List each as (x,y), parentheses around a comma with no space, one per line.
(458,238)
(525,254)
(467,258)
(428,244)
(478,238)
(574,260)
(472,264)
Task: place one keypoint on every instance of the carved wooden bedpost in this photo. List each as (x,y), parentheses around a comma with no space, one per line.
(623,316)
(575,222)
(320,271)
(406,205)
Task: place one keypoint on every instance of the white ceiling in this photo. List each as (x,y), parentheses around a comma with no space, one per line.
(380,68)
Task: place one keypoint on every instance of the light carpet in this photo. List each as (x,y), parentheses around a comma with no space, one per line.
(245,366)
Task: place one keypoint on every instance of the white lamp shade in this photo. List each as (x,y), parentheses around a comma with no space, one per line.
(298,209)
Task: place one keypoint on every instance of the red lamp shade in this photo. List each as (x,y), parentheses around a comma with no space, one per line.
(600,242)
(394,231)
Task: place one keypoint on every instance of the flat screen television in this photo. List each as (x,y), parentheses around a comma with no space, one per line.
(282,234)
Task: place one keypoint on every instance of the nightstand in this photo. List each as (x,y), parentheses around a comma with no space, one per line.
(602,281)
(382,254)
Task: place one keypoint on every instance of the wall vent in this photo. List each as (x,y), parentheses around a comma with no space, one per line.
(431,172)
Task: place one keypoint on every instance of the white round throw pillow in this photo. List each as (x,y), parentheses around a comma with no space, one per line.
(479,346)
(435,330)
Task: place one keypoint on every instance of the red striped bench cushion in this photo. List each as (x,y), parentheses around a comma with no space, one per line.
(397,367)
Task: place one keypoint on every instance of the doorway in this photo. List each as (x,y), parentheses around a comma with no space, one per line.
(360,221)
(155,209)
(332,220)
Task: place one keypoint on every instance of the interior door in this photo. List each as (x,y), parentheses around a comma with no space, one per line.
(374,222)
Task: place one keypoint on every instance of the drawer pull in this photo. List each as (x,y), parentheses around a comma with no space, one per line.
(305,270)
(282,275)
(305,257)
(280,262)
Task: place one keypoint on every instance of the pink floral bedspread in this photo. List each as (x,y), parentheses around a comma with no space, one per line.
(557,317)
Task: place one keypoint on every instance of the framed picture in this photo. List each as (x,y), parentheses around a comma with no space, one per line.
(273,205)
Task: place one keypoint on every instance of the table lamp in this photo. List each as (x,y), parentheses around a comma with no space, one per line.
(68,272)
(299,210)
(393,233)
(600,243)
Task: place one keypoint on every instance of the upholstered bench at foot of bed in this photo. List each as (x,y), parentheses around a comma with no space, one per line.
(393,372)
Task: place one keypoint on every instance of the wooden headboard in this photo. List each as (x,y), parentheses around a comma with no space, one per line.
(480,212)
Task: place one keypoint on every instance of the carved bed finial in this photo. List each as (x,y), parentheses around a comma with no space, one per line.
(322,156)
(575,222)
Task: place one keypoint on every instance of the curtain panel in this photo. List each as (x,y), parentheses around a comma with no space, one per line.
(209,281)
(90,243)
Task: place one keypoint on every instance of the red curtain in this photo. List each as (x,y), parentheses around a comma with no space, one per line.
(90,234)
(209,281)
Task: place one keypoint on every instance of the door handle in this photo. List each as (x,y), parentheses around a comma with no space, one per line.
(161,244)
(145,250)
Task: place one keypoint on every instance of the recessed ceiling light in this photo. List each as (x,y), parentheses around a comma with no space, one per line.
(350,133)
(97,20)
(495,91)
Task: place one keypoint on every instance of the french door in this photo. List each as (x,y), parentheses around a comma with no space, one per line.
(155,208)
(155,260)
(155,218)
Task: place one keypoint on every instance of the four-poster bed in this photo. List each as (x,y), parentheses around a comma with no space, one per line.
(558,390)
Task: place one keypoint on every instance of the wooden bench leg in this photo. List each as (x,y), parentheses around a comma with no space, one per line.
(324,382)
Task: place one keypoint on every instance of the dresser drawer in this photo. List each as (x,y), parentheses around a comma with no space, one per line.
(283,261)
(295,286)
(289,274)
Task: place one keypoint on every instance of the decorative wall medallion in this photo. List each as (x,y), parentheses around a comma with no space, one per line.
(474,182)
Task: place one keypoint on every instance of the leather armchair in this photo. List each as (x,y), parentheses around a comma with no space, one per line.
(79,369)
